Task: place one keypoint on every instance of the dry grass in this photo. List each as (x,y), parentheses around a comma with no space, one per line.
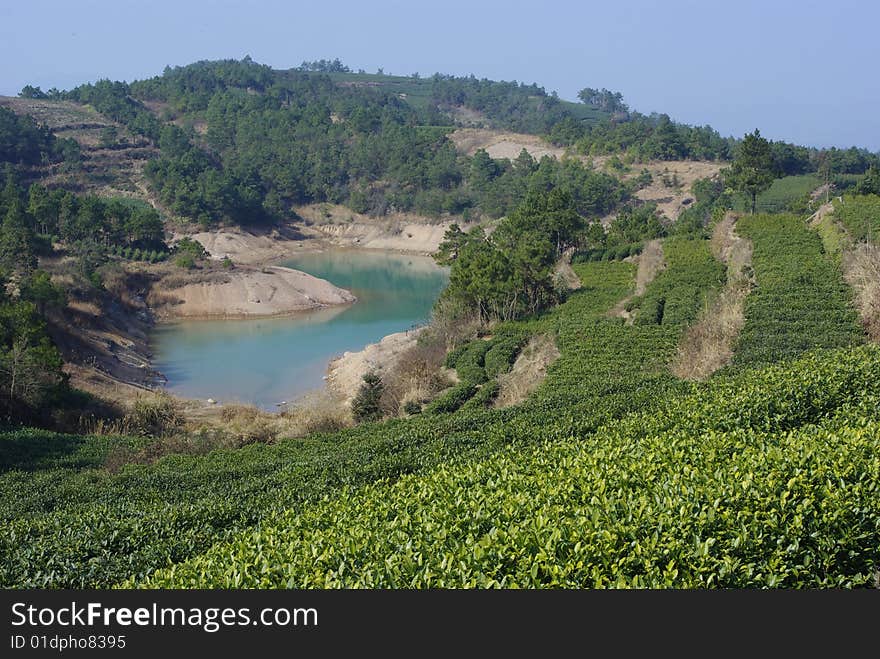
(708,344)
(417,376)
(150,415)
(650,263)
(529,370)
(565,276)
(233,426)
(861,268)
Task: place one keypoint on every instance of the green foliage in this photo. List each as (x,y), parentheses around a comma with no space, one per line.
(412,407)
(860,214)
(870,182)
(502,353)
(782,195)
(801,301)
(484,396)
(24,142)
(679,292)
(30,364)
(654,137)
(185,260)
(510,274)
(753,169)
(675,499)
(366,404)
(470,364)
(452,399)
(191,247)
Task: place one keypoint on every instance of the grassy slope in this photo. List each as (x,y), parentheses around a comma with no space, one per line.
(85,527)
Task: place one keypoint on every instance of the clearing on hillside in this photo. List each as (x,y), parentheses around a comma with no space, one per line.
(502,144)
(112,157)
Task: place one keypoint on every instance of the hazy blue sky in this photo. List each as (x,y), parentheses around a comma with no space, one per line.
(802,71)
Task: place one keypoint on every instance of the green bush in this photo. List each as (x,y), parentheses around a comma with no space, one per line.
(502,353)
(412,407)
(366,404)
(452,399)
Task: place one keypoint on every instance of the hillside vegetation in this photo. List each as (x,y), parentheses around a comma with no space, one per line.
(613,473)
(609,471)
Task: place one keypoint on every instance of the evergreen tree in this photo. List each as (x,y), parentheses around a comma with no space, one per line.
(753,169)
(366,404)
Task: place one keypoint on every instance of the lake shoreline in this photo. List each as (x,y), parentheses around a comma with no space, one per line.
(251,252)
(391,306)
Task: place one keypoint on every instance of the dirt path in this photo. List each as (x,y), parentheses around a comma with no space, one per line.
(708,344)
(650,263)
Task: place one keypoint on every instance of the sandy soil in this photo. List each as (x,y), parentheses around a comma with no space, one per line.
(673,199)
(500,144)
(400,232)
(528,371)
(650,263)
(345,373)
(245,293)
(247,248)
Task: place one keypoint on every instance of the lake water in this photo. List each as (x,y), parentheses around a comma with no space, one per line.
(267,361)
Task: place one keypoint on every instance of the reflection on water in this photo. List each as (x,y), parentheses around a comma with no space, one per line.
(266,361)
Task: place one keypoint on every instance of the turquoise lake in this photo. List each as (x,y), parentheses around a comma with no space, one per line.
(267,361)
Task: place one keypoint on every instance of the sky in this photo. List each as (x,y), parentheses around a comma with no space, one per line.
(800,71)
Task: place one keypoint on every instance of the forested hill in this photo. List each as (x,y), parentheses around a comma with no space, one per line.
(242,143)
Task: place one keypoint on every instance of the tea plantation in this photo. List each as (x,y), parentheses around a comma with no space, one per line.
(613,473)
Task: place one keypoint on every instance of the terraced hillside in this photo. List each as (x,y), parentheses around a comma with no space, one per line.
(614,473)
(70,523)
(801,301)
(112,157)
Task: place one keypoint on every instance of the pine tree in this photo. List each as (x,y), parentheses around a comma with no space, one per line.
(753,170)
(365,406)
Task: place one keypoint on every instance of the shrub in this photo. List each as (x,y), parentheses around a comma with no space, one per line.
(452,399)
(155,416)
(366,405)
(185,261)
(412,407)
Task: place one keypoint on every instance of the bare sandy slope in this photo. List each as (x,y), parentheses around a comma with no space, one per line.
(501,144)
(399,232)
(345,373)
(245,293)
(672,199)
(670,189)
(247,248)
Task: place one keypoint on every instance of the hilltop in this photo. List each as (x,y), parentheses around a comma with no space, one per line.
(654,364)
